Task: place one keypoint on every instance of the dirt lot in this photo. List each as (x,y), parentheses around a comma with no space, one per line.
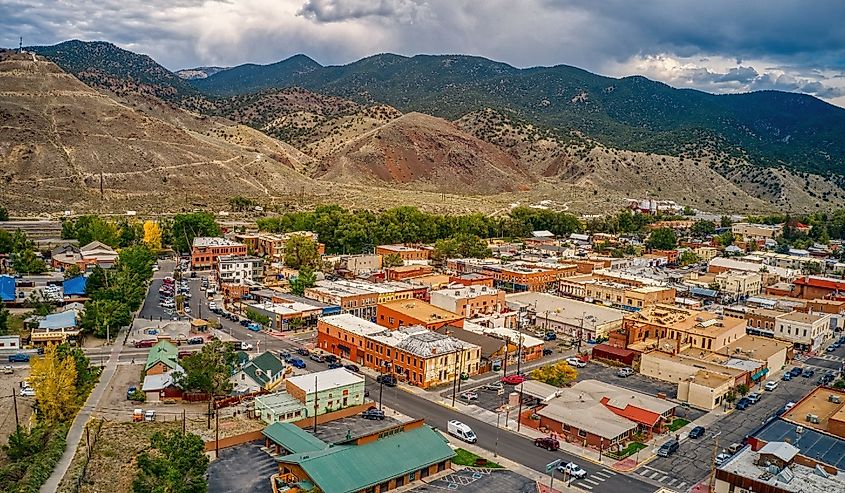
(114,405)
(8,384)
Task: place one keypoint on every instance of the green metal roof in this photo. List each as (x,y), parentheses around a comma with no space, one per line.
(268,363)
(293,438)
(164,351)
(352,468)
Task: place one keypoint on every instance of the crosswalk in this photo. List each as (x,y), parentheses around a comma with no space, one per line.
(662,477)
(594,479)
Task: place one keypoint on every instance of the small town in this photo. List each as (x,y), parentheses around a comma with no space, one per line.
(683,352)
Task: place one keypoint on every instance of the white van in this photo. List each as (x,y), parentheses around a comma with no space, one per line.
(462,431)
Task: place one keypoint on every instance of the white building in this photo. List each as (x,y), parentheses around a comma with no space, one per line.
(240,269)
(804,330)
(739,283)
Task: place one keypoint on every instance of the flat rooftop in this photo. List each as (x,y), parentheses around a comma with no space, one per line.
(799,479)
(213,241)
(352,427)
(804,318)
(756,347)
(402,248)
(821,402)
(814,444)
(565,310)
(325,380)
(420,310)
(687,320)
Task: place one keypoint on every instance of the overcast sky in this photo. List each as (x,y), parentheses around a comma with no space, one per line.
(713,45)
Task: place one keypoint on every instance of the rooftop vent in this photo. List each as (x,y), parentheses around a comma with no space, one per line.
(812,418)
(834,398)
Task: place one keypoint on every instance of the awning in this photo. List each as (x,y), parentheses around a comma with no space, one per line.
(760,374)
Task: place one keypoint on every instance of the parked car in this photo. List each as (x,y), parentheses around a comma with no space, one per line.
(547,352)
(373,413)
(550,336)
(789,405)
(831,348)
(254,327)
(303,352)
(625,372)
(27,392)
(722,458)
(513,379)
(576,362)
(795,371)
(469,395)
(572,469)
(334,365)
(547,443)
(184,354)
(330,358)
(19,358)
(150,415)
(297,363)
(696,432)
(786,377)
(8,370)
(146,343)
(754,397)
(352,367)
(195,340)
(131,390)
(212,305)
(743,404)
(668,448)
(771,385)
(284,355)
(388,380)
(244,322)
(494,386)
(316,357)
(808,373)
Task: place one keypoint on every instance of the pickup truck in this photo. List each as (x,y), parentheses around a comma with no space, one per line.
(19,358)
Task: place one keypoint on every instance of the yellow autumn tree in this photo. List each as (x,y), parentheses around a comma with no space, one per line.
(152,234)
(53,378)
(557,374)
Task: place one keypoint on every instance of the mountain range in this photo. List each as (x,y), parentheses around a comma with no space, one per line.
(468,125)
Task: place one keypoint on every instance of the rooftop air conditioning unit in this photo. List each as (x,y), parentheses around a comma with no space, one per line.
(834,398)
(799,429)
(812,418)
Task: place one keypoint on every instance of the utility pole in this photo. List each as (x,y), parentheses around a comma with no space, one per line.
(519,414)
(496,447)
(315,402)
(217,433)
(455,379)
(713,461)
(15,402)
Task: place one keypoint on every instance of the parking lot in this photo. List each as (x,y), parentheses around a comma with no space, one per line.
(480,480)
(693,461)
(9,384)
(227,473)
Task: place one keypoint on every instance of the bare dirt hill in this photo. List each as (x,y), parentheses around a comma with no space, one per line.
(65,145)
(426,153)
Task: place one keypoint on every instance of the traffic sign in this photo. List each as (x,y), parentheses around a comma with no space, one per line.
(551,465)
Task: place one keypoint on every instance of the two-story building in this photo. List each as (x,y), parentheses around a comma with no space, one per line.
(469,301)
(236,269)
(405,313)
(806,331)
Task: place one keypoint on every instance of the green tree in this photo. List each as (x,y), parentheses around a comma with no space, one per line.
(102,317)
(72,271)
(730,396)
(461,246)
(4,319)
(256,317)
(662,239)
(208,371)
(725,222)
(556,374)
(703,228)
(26,262)
(186,227)
(688,257)
(301,251)
(90,228)
(96,280)
(306,279)
(742,389)
(689,211)
(4,214)
(725,239)
(239,203)
(175,463)
(392,260)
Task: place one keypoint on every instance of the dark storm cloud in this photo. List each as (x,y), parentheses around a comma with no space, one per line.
(716,45)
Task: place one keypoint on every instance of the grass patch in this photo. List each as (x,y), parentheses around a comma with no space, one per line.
(677,424)
(467,458)
(629,450)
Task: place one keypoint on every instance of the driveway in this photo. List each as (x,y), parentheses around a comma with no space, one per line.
(228,472)
(480,480)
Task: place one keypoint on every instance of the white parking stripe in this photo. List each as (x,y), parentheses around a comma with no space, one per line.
(654,475)
(608,471)
(588,480)
(585,486)
(598,477)
(664,478)
(602,473)
(681,485)
(674,480)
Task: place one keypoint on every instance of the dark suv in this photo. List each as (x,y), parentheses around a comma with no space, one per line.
(388,380)
(373,413)
(547,443)
(668,448)
(696,432)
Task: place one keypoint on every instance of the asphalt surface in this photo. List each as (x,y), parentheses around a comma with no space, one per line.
(510,445)
(480,480)
(693,461)
(228,474)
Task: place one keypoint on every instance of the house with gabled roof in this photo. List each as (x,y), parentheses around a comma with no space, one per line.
(264,372)
(163,358)
(97,253)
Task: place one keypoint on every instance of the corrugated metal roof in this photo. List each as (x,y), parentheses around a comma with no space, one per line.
(7,288)
(294,439)
(61,320)
(813,444)
(75,285)
(164,351)
(353,468)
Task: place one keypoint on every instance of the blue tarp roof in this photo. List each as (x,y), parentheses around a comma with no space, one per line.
(709,293)
(7,288)
(61,320)
(813,444)
(75,285)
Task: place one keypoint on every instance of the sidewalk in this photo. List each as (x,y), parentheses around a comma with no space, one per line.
(78,426)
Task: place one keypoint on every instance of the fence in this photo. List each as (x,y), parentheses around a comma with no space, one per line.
(90,442)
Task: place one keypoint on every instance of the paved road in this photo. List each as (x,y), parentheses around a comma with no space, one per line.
(692,463)
(510,445)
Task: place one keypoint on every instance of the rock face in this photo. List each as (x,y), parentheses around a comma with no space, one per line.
(424,152)
(63,144)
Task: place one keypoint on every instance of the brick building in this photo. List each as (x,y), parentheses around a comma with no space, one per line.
(205,251)
(405,313)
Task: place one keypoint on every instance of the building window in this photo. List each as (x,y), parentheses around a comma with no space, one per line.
(567,427)
(582,433)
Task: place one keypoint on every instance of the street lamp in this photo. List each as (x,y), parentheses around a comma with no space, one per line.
(384,364)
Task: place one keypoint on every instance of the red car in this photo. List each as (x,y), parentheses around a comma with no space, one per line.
(547,443)
(513,379)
